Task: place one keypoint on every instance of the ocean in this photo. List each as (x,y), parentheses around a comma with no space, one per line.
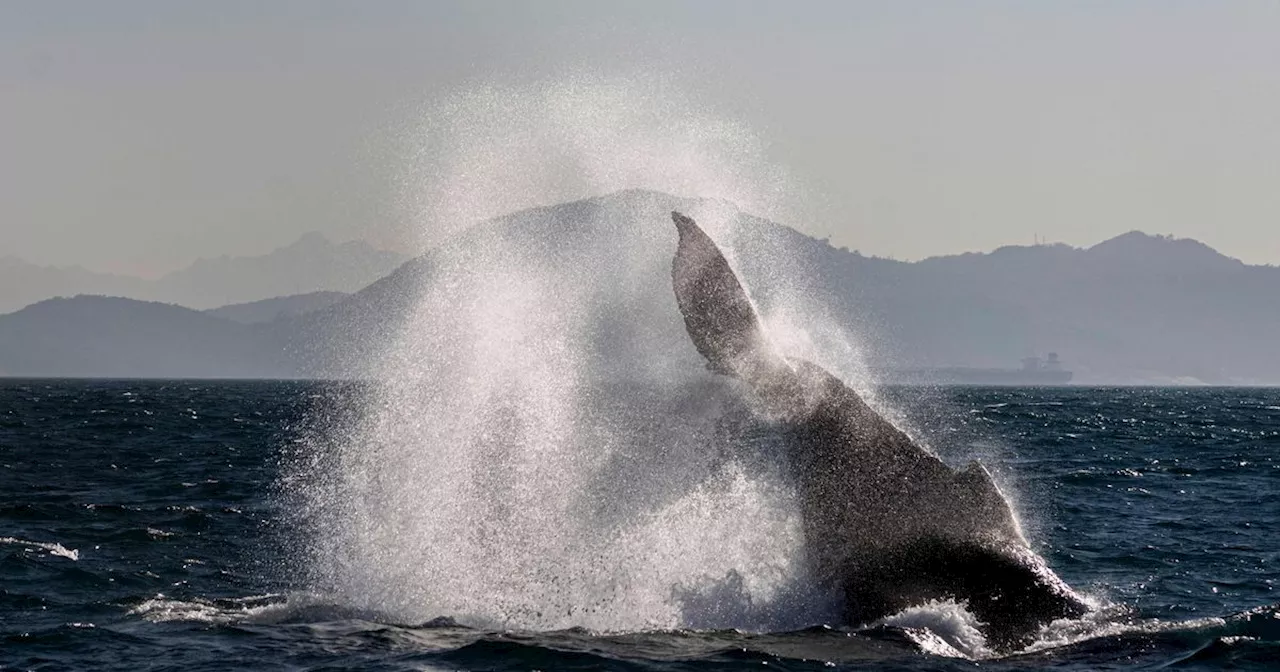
(158,525)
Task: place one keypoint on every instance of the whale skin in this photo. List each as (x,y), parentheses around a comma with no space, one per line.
(886,523)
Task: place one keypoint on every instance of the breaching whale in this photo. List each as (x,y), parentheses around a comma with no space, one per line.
(886,523)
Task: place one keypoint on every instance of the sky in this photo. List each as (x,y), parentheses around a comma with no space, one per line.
(138,136)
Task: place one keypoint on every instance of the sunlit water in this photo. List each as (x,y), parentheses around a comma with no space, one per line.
(175,524)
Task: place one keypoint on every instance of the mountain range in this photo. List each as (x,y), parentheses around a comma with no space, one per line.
(266,310)
(588,282)
(310,264)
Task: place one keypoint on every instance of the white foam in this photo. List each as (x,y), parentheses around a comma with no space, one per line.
(162,609)
(946,628)
(942,628)
(54,548)
(1110,620)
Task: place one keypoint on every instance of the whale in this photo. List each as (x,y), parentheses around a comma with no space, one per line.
(887,524)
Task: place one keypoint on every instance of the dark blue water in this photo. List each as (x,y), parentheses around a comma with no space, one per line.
(146,525)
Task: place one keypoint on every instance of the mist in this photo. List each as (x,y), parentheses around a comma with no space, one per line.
(143,136)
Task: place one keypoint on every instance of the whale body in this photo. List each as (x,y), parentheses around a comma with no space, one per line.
(886,523)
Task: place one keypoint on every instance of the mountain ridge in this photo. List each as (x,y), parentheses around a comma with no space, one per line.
(112,337)
(310,264)
(266,310)
(1115,318)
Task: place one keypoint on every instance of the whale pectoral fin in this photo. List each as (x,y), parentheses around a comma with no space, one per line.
(718,314)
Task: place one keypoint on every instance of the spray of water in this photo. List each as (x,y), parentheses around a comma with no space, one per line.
(543,448)
(484,151)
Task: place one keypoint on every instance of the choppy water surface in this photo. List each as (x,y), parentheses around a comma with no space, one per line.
(149,525)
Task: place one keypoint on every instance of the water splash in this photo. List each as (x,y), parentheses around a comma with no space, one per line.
(942,628)
(484,151)
(543,448)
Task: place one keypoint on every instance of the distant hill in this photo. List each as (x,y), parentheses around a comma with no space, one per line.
(311,264)
(595,271)
(594,276)
(1134,309)
(23,283)
(95,336)
(267,310)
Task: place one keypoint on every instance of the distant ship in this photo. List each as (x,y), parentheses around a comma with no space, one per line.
(1035,371)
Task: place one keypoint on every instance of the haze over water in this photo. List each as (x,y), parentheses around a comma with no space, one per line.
(143,135)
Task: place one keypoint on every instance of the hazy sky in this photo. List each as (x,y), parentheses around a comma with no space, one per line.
(136,136)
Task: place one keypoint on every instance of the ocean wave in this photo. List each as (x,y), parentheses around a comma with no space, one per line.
(942,628)
(161,608)
(52,548)
(940,631)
